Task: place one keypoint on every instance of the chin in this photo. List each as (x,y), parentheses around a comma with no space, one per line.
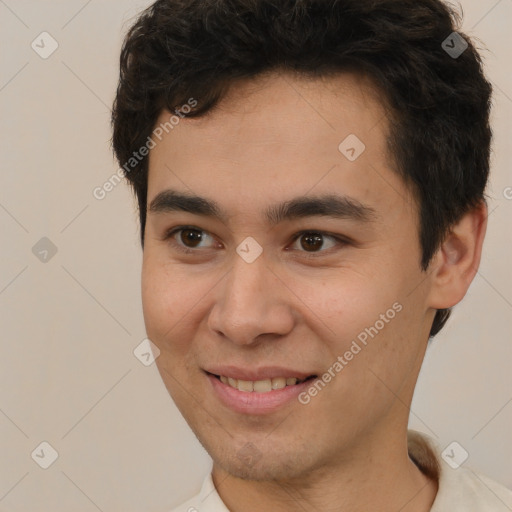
(264,470)
(243,460)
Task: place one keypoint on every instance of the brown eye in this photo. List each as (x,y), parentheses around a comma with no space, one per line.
(188,239)
(312,241)
(191,237)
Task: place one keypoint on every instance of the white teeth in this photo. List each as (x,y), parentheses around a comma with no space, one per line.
(245,385)
(263,386)
(279,383)
(259,386)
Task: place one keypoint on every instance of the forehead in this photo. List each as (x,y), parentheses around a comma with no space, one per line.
(283,107)
(279,136)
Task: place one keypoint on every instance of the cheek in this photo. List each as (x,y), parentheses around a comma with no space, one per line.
(390,353)
(367,319)
(170,308)
(168,298)
(345,303)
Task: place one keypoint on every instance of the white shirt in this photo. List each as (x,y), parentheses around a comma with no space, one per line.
(460,490)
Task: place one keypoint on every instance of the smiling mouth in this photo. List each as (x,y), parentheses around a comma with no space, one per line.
(261,386)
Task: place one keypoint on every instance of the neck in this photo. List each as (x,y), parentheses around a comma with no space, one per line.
(380,476)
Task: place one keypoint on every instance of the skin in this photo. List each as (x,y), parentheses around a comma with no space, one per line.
(269,140)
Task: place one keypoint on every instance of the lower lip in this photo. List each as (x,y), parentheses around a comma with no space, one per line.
(252,402)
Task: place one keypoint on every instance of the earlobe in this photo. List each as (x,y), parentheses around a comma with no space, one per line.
(457,260)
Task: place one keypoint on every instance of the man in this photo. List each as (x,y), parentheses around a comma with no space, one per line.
(310,178)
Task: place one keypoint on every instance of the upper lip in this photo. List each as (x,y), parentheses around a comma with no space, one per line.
(255,374)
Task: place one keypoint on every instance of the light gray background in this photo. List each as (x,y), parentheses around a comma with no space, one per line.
(70,325)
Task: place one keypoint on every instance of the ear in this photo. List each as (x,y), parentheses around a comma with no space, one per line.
(457,260)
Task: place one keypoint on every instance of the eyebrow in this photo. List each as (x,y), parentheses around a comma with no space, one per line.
(329,205)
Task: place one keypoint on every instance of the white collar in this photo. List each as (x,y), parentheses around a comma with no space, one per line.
(460,490)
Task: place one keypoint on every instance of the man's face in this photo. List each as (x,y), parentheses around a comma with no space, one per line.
(298,307)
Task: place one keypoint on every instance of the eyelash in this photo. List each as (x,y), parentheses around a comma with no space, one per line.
(187,250)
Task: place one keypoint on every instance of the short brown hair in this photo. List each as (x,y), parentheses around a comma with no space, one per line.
(440,141)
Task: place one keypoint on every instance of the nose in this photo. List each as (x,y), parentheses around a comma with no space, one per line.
(252,302)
